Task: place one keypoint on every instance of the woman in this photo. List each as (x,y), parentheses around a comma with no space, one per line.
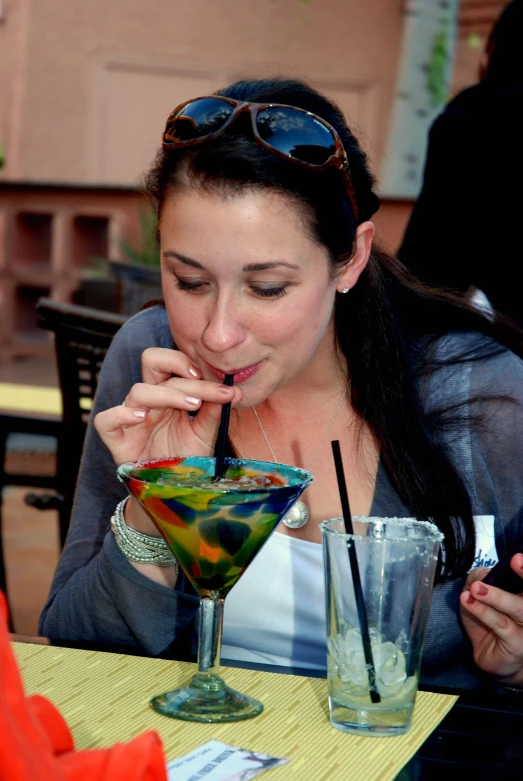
(269,272)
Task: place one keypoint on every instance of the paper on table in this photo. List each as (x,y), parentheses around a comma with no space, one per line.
(217,761)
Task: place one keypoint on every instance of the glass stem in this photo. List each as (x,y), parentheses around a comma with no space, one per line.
(210,639)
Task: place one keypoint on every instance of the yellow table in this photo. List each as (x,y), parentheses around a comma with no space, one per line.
(30,398)
(104,698)
(34,399)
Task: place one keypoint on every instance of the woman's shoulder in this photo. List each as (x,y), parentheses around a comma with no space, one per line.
(122,365)
(491,367)
(148,328)
(469,345)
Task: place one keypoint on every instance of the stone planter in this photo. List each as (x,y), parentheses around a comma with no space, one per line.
(99,293)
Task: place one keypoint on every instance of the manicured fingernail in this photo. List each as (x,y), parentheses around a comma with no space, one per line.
(139,413)
(482,590)
(194,370)
(224,389)
(192,400)
(470,599)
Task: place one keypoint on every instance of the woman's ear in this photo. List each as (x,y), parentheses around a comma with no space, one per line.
(349,274)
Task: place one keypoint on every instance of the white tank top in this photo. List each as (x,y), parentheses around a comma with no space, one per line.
(276,612)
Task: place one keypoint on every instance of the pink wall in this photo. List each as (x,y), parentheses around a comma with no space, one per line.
(87,85)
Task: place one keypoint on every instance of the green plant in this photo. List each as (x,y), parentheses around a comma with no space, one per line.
(147,252)
(437,67)
(474,40)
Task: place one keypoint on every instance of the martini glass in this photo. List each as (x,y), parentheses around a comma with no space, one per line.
(214,528)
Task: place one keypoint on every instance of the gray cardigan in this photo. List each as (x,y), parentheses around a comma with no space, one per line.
(97,596)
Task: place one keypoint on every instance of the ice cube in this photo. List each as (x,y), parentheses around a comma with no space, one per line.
(352,641)
(402,643)
(390,669)
(334,644)
(356,669)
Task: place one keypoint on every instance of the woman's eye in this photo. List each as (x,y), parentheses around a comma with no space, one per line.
(190,285)
(270,292)
(200,285)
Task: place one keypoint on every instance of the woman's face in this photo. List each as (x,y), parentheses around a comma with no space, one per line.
(246,290)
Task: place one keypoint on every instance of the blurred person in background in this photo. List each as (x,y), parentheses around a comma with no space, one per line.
(464,231)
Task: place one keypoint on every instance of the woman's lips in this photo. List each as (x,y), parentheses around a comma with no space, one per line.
(240,375)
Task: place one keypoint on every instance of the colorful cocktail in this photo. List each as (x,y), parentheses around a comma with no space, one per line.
(214,528)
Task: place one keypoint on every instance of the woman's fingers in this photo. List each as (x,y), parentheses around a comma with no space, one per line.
(496,609)
(476,574)
(493,620)
(516,564)
(207,422)
(497,639)
(154,401)
(159,364)
(113,420)
(176,393)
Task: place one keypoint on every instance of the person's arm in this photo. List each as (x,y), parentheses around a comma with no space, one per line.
(97,595)
(136,519)
(493,618)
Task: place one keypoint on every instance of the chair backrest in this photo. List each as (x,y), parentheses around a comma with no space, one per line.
(82,338)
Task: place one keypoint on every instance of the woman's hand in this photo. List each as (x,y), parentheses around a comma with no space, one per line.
(154,419)
(493,620)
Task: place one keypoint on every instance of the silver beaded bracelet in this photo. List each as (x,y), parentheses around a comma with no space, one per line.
(139,547)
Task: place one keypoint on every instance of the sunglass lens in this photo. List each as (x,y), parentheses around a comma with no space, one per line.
(295,134)
(198,118)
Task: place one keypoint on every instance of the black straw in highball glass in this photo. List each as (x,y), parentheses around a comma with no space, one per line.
(219,450)
(358,590)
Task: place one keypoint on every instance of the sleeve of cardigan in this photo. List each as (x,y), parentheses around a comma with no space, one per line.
(497,445)
(97,595)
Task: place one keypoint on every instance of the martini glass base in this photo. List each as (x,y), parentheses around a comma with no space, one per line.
(207,698)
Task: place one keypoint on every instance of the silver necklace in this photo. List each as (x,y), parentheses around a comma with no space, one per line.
(299,513)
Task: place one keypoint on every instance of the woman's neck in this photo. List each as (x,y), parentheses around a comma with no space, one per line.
(325,377)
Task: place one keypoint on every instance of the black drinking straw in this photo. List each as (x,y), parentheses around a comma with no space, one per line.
(360,604)
(219,450)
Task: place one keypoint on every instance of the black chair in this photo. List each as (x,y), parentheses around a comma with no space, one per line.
(28,473)
(82,337)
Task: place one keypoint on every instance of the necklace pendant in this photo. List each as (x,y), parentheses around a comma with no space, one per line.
(297,516)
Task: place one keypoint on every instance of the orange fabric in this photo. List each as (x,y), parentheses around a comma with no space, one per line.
(51,721)
(36,743)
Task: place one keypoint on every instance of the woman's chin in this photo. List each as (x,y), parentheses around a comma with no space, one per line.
(252,397)
(247,402)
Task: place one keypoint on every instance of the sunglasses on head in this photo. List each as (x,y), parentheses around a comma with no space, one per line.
(286,131)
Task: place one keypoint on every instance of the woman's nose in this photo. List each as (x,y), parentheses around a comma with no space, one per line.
(224,329)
